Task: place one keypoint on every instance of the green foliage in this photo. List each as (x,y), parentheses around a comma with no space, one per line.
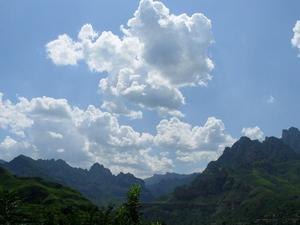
(133,204)
(10,212)
(129,213)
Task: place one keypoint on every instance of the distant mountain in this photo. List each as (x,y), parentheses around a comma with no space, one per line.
(35,197)
(97,184)
(251,183)
(2,161)
(164,184)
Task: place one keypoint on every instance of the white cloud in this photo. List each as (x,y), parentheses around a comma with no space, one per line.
(254,133)
(118,108)
(64,51)
(157,54)
(193,144)
(170,40)
(296,38)
(81,137)
(8,143)
(193,157)
(12,117)
(60,150)
(10,148)
(55,135)
(55,129)
(271,99)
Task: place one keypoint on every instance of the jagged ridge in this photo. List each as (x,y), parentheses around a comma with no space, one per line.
(97,184)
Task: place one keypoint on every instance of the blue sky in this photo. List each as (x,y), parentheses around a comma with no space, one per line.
(252,55)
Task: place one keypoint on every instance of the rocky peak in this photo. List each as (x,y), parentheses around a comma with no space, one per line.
(128,178)
(291,137)
(99,170)
(245,152)
(21,160)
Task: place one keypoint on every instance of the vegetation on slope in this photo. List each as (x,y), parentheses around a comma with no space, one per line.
(36,202)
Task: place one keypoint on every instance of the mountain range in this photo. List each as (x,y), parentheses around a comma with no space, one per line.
(252,182)
(97,184)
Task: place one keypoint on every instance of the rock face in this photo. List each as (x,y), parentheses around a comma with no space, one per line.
(252,180)
(291,137)
(97,184)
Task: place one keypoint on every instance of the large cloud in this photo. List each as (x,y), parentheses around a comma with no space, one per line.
(54,129)
(158,54)
(51,128)
(296,38)
(192,144)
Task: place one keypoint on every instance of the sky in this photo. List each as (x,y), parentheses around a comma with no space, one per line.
(145,86)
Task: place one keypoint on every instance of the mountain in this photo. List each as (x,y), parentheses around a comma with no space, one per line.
(251,183)
(2,161)
(26,199)
(291,137)
(164,184)
(97,184)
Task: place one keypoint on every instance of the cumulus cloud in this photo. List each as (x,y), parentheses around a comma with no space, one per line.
(52,128)
(192,144)
(16,123)
(296,38)
(55,129)
(64,51)
(254,133)
(157,54)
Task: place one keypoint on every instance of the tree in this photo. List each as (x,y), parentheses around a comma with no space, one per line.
(128,213)
(10,211)
(133,204)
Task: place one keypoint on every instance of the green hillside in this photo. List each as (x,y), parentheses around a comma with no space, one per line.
(36,200)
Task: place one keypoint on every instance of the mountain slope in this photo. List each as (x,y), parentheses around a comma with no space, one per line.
(39,196)
(250,181)
(97,184)
(164,184)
